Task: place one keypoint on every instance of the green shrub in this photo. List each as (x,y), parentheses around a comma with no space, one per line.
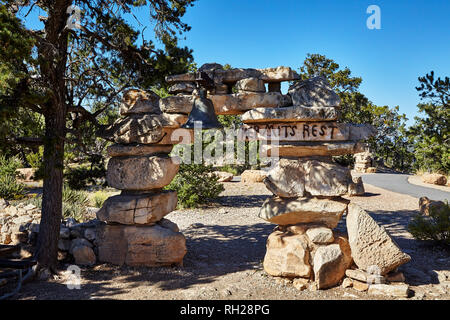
(435,227)
(80,177)
(74,203)
(35,159)
(10,189)
(99,198)
(195,185)
(8,166)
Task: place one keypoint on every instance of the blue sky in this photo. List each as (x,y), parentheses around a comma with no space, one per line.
(414,39)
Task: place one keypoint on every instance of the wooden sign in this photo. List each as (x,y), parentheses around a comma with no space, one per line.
(295,131)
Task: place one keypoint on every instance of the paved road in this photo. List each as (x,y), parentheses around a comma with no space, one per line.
(399,183)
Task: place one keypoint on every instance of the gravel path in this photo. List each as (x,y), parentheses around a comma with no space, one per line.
(226,247)
(399,183)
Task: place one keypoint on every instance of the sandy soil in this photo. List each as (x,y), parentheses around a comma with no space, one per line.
(226,246)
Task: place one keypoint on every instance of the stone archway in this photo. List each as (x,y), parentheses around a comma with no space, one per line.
(307,186)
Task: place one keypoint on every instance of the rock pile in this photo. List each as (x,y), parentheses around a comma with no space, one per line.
(20,225)
(308,187)
(364,162)
(135,232)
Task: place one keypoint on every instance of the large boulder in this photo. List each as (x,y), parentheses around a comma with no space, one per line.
(287,178)
(141,172)
(330,263)
(142,128)
(177,104)
(287,255)
(434,178)
(356,188)
(426,206)
(314,92)
(253,176)
(251,85)
(296,178)
(84,255)
(326,178)
(370,243)
(303,210)
(138,209)
(138,101)
(223,176)
(149,246)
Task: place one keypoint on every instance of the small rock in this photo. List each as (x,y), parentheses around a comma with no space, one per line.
(300,284)
(397,290)
(226,293)
(79,242)
(363,276)
(3,204)
(70,222)
(29,207)
(84,255)
(347,283)
(320,235)
(283,281)
(360,286)
(90,234)
(64,233)
(75,233)
(197,225)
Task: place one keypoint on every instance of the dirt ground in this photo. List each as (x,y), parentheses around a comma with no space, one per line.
(226,246)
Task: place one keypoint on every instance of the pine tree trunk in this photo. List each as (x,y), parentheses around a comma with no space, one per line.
(53,68)
(47,246)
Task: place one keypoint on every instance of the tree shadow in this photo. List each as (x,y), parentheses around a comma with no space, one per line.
(213,251)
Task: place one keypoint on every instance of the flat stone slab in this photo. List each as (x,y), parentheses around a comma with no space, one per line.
(219,75)
(138,209)
(143,128)
(308,149)
(121,150)
(290,114)
(141,172)
(305,131)
(295,131)
(136,101)
(314,92)
(372,247)
(303,210)
(226,104)
(141,246)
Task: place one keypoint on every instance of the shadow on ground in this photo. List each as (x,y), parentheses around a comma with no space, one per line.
(213,251)
(219,250)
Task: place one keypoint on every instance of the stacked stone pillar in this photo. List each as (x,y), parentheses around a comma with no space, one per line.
(135,232)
